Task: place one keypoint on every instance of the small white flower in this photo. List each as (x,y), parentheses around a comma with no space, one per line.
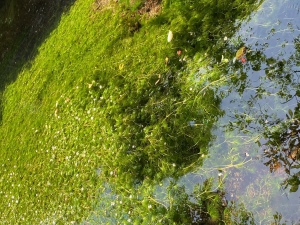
(149,206)
(112,203)
(225,38)
(220,174)
(173,164)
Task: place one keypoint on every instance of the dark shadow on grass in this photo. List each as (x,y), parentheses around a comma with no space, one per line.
(23,28)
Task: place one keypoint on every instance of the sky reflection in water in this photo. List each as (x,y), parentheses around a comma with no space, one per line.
(273,31)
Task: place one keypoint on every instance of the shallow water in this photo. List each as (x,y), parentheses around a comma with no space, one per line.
(264,98)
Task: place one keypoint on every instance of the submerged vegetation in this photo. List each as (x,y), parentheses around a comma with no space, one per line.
(110,115)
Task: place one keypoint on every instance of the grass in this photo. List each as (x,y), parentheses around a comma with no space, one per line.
(101,110)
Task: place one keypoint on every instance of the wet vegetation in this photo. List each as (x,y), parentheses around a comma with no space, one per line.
(150,112)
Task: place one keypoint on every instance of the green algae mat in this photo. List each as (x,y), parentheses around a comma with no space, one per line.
(156,112)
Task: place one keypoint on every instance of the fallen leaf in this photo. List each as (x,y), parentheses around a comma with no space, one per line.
(170,36)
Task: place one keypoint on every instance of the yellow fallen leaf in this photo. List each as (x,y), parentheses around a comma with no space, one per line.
(167,60)
(241,53)
(121,66)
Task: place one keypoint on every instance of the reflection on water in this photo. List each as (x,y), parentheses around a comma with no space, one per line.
(261,115)
(261,123)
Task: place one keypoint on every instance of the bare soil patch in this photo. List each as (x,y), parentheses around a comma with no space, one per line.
(150,8)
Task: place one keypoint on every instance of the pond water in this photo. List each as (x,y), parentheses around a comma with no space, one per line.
(240,155)
(252,164)
(243,155)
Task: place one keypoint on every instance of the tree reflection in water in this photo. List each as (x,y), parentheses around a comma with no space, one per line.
(261,97)
(282,150)
(280,134)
